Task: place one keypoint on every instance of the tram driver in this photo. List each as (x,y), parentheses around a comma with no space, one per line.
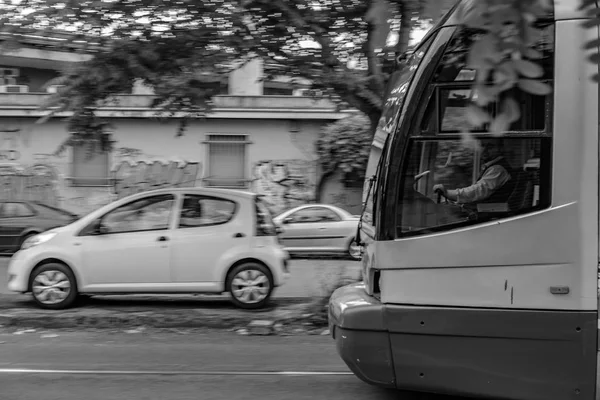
(495,182)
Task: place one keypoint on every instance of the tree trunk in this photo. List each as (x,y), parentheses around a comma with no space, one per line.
(406,25)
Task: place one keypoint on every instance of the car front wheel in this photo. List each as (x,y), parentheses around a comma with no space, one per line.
(53,286)
(250,285)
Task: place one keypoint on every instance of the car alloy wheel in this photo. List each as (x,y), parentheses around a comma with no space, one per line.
(250,285)
(53,286)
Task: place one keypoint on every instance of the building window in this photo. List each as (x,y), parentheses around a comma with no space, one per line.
(226,161)
(89,169)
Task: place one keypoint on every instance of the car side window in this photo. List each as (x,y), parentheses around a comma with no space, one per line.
(15,210)
(326,215)
(200,211)
(306,215)
(313,214)
(147,214)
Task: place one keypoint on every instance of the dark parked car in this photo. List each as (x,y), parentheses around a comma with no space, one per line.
(20,220)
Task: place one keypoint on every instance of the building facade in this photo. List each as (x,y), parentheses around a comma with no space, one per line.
(252,141)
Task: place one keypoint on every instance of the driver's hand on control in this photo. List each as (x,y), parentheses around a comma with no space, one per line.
(441,188)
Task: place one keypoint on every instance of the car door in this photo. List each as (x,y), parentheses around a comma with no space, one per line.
(15,219)
(302,231)
(131,248)
(205,231)
(332,230)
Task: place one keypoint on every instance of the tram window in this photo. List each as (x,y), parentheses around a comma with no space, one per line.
(452,67)
(446,112)
(450,88)
(498,178)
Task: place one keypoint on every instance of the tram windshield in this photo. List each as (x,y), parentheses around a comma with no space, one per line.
(439,180)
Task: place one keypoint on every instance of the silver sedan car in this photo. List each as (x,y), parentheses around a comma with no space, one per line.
(318,229)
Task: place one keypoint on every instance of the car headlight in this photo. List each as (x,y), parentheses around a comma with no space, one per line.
(37,239)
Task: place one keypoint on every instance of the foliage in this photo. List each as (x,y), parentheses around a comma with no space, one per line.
(506,54)
(184,48)
(590,8)
(345,145)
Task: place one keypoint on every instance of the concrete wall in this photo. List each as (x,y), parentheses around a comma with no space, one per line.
(280,164)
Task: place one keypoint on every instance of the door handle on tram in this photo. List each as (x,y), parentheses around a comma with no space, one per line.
(163,239)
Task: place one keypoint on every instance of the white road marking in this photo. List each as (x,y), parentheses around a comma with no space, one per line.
(134,372)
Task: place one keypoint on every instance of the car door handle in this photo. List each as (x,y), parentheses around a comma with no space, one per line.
(239,235)
(163,239)
(322,228)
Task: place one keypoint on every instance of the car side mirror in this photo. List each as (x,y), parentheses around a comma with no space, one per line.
(288,220)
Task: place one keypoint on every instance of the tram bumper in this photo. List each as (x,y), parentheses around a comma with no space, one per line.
(356,323)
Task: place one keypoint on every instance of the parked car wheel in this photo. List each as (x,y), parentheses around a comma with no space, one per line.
(53,286)
(250,285)
(354,250)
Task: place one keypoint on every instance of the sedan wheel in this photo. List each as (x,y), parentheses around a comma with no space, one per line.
(53,286)
(250,285)
(354,250)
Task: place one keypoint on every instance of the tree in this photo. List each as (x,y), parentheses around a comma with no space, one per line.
(344,146)
(183,47)
(505,54)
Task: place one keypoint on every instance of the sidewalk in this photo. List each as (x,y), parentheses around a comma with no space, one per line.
(120,312)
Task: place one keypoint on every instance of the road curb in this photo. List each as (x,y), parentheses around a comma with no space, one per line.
(171,317)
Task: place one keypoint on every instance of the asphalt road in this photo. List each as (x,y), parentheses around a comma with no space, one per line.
(179,366)
(310,277)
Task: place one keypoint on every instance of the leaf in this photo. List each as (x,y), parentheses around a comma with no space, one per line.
(512,109)
(505,76)
(481,50)
(500,124)
(595,58)
(476,116)
(592,44)
(534,87)
(532,53)
(484,95)
(528,68)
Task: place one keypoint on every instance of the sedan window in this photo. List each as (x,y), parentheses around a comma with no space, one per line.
(147,214)
(327,215)
(15,210)
(205,211)
(313,214)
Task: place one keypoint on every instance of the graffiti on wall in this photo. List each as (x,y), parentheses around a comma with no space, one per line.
(284,183)
(38,182)
(140,176)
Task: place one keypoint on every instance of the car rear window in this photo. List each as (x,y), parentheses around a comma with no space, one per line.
(201,210)
(60,211)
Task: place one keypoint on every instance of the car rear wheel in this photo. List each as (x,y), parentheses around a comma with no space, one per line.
(250,285)
(53,286)
(354,250)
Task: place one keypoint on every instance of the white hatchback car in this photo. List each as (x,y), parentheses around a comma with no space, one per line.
(185,240)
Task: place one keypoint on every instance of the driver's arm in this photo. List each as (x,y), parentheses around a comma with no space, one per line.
(493,179)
